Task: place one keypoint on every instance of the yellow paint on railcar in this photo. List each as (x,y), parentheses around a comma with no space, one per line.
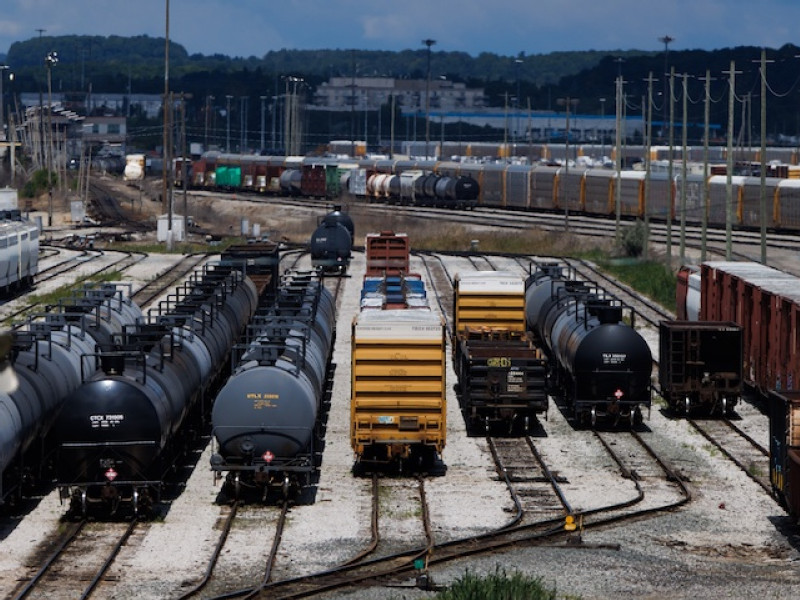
(398,387)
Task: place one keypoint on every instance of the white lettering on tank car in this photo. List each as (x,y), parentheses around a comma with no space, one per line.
(614,358)
(106,421)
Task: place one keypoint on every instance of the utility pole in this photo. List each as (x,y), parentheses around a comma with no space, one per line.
(763,198)
(684,169)
(648,162)
(670,158)
(706,189)
(165,158)
(428,43)
(618,154)
(729,178)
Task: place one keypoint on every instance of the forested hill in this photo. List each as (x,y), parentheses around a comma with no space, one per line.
(142,57)
(117,64)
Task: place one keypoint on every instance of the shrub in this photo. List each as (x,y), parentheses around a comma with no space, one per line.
(498,586)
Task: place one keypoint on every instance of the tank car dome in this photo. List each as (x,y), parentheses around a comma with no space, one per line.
(342,218)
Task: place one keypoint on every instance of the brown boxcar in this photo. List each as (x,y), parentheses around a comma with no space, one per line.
(700,365)
(764,302)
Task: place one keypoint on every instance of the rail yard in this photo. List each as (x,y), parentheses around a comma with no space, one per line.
(657,511)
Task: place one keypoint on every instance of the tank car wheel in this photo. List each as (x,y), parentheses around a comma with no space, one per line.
(285,487)
(725,411)
(486,424)
(527,423)
(237,486)
(135,503)
(594,416)
(687,405)
(84,504)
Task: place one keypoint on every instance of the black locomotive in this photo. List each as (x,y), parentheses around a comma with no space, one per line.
(599,363)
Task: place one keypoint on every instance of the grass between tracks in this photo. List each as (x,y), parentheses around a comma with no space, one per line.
(498,586)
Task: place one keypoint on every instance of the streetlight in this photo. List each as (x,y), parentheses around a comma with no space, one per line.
(2,99)
(602,130)
(50,61)
(568,102)
(665,39)
(209,99)
(428,43)
(228,98)
(263,99)
(517,63)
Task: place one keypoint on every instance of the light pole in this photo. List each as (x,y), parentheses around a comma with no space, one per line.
(263,99)
(602,127)
(666,39)
(428,43)
(3,68)
(50,61)
(568,102)
(209,99)
(517,64)
(228,99)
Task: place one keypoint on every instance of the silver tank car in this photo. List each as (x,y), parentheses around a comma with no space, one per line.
(116,434)
(265,417)
(50,354)
(599,363)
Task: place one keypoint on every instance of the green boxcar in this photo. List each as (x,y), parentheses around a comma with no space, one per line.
(229,176)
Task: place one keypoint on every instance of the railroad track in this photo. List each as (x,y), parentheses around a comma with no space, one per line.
(536,490)
(738,447)
(167,279)
(75,569)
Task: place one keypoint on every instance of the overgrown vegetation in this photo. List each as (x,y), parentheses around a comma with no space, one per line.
(498,586)
(41,181)
(54,297)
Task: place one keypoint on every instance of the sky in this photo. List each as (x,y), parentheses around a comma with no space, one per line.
(505,27)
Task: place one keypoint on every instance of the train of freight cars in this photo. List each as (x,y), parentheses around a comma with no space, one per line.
(117,435)
(540,186)
(266,418)
(140,391)
(398,407)
(49,353)
(764,304)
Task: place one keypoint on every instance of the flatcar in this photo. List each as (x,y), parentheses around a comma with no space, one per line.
(764,302)
(700,366)
(118,434)
(598,362)
(398,406)
(501,373)
(48,355)
(266,418)
(784,449)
